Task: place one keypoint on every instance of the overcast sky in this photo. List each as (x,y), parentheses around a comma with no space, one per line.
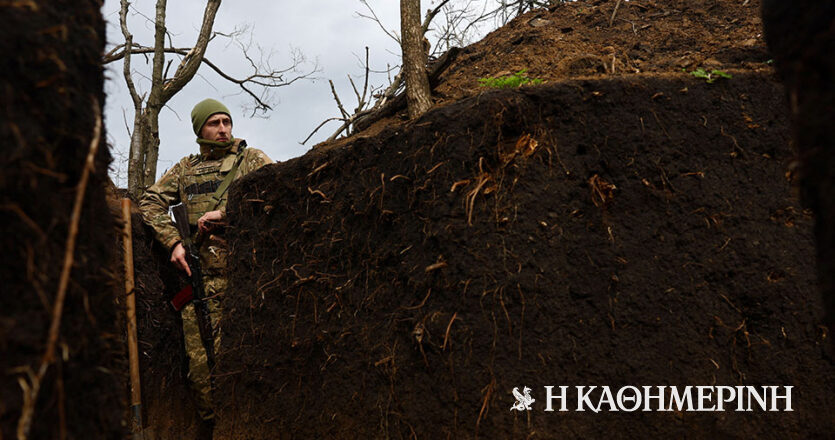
(328,32)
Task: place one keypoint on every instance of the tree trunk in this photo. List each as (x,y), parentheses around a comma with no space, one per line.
(151,147)
(144,148)
(144,151)
(144,145)
(418,93)
(136,161)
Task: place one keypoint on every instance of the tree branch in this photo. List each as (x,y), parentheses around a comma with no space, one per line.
(382,106)
(430,15)
(154,99)
(188,67)
(320,126)
(365,119)
(365,86)
(123,22)
(272,79)
(338,102)
(347,120)
(375,19)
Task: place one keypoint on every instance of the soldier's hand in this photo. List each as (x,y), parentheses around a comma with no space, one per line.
(209,221)
(178,258)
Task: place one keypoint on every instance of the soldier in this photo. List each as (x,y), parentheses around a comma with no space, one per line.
(196,181)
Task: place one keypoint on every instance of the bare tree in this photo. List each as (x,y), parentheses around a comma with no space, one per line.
(509,9)
(144,145)
(461,22)
(365,113)
(418,94)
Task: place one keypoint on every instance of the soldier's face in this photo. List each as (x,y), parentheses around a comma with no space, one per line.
(217,128)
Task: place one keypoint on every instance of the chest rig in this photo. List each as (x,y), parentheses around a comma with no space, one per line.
(205,181)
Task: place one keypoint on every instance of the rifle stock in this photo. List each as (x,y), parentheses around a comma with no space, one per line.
(201,308)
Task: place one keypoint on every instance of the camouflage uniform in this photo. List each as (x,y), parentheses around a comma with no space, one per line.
(194,181)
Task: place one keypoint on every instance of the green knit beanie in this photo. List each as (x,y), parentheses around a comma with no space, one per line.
(204,110)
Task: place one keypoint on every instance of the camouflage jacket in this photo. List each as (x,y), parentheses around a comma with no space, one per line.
(193,181)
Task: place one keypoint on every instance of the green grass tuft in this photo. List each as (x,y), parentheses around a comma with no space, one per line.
(509,81)
(710,77)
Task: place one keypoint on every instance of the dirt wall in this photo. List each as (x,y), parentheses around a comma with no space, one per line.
(169,408)
(50,99)
(640,230)
(802,37)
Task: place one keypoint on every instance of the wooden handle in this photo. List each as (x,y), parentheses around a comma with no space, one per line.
(133,349)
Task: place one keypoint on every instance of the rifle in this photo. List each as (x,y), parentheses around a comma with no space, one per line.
(194,292)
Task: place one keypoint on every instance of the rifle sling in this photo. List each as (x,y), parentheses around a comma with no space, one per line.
(221,190)
(230,176)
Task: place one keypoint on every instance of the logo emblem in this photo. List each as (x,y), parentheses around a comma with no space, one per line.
(523,402)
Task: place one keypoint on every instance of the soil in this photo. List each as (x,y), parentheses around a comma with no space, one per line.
(405,283)
(575,39)
(624,223)
(604,228)
(802,37)
(50,92)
